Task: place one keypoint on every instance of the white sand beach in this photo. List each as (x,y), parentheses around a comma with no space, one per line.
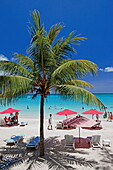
(103,157)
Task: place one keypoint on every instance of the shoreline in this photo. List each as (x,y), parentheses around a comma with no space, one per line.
(54,104)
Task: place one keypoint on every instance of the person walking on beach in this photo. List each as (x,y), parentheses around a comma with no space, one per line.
(97,118)
(110,116)
(50,122)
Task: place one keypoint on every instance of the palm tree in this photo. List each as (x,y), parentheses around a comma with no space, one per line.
(47,67)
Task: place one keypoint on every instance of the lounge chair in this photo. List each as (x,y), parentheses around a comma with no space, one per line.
(15,139)
(59,125)
(69,141)
(106,142)
(23,123)
(34,142)
(95,141)
(2,122)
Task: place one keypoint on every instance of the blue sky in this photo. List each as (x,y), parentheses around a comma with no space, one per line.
(90,18)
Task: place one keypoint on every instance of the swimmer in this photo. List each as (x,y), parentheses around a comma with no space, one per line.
(27,107)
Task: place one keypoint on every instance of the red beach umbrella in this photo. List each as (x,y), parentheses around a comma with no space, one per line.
(9,110)
(93,112)
(66,112)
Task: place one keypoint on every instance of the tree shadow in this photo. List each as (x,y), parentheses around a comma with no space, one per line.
(56,156)
(107,160)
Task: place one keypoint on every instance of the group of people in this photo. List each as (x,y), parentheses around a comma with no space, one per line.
(109,116)
(12,119)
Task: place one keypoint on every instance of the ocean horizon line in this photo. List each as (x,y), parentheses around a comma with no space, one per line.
(69,94)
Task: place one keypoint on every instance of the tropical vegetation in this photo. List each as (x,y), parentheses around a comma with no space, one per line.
(47,66)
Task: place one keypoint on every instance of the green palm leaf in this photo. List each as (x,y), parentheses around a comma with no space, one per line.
(24,60)
(12,85)
(80,94)
(63,46)
(13,68)
(35,25)
(79,83)
(74,69)
(54,31)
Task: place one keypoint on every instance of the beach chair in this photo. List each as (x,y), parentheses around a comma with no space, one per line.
(95,141)
(59,125)
(15,139)
(69,141)
(106,142)
(2,122)
(23,123)
(34,142)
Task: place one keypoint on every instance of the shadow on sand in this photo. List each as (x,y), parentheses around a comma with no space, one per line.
(56,156)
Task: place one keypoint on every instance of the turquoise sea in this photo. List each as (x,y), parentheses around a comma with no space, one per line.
(54,103)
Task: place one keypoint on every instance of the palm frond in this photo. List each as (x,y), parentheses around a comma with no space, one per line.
(63,46)
(35,24)
(54,31)
(24,61)
(42,55)
(13,68)
(77,93)
(75,39)
(74,69)
(36,29)
(12,85)
(79,83)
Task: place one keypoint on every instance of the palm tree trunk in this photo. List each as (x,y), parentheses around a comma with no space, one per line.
(41,126)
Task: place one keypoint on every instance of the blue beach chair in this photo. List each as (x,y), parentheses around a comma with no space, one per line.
(34,142)
(15,139)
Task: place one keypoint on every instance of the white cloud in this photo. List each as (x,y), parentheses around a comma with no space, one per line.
(3,57)
(101,69)
(13,59)
(107,69)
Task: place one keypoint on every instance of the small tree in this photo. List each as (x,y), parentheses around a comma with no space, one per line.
(47,67)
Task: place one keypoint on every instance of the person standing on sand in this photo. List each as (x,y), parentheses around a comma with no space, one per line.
(16,117)
(110,116)
(97,117)
(50,122)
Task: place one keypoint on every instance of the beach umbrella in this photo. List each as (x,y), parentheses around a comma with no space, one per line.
(93,112)
(79,122)
(9,110)
(66,112)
